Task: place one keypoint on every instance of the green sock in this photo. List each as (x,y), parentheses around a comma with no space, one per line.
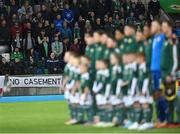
(102,114)
(146,115)
(70,110)
(74,111)
(137,115)
(120,114)
(80,114)
(108,115)
(90,114)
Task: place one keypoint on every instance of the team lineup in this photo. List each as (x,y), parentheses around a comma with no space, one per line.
(119,78)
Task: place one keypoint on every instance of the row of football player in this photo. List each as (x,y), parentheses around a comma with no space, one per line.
(111,83)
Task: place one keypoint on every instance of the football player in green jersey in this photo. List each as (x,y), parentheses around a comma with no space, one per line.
(119,36)
(140,41)
(169,64)
(86,100)
(74,86)
(101,89)
(148,45)
(115,94)
(143,96)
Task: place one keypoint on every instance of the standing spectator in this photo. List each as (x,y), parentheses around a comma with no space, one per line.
(76,9)
(68,14)
(28,44)
(17,67)
(14,28)
(75,47)
(88,26)
(43,45)
(53,64)
(140,9)
(76,31)
(153,9)
(4,34)
(66,31)
(26,9)
(45,13)
(16,55)
(98,25)
(57,47)
(4,67)
(17,42)
(58,22)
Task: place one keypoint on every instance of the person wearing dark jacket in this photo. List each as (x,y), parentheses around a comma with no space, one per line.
(4,34)
(18,67)
(53,64)
(4,67)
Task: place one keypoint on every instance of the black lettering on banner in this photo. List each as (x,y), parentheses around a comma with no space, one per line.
(15,81)
(26,81)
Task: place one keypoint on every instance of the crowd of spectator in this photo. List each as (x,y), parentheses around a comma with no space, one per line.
(39,32)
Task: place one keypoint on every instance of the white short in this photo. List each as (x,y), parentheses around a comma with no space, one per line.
(128,101)
(74,98)
(88,101)
(101,99)
(114,100)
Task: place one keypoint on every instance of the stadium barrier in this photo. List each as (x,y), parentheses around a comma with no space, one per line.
(26,85)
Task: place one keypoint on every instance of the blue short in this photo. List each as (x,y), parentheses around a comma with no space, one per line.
(156,80)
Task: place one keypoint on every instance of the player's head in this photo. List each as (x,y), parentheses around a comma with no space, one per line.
(103,38)
(66,56)
(147,31)
(83,69)
(89,38)
(103,64)
(111,43)
(139,35)
(119,34)
(97,36)
(155,27)
(114,59)
(129,30)
(76,61)
(166,27)
(140,58)
(84,60)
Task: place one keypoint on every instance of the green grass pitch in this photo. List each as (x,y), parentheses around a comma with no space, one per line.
(49,117)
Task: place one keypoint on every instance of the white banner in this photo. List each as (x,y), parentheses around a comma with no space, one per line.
(35,81)
(2,79)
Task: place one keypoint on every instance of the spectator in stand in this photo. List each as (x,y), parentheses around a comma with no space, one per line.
(57,47)
(26,9)
(140,8)
(28,45)
(44,46)
(153,9)
(177,29)
(68,14)
(45,13)
(16,55)
(16,27)
(88,27)
(75,47)
(58,22)
(17,67)
(31,66)
(76,31)
(4,67)
(4,34)
(98,25)
(53,64)
(66,31)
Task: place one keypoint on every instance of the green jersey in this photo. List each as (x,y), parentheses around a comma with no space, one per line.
(84,82)
(142,78)
(140,47)
(168,59)
(130,45)
(129,72)
(148,51)
(77,33)
(66,70)
(90,52)
(99,52)
(101,81)
(115,75)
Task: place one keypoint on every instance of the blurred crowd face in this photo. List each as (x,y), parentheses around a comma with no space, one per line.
(118,35)
(155,27)
(166,29)
(146,31)
(139,36)
(128,31)
(96,37)
(104,38)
